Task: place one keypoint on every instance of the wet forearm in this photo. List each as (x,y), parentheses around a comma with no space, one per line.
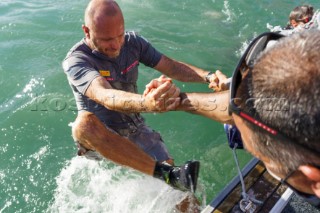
(210,105)
(164,97)
(181,71)
(122,101)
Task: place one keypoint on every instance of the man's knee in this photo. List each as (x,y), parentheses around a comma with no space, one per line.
(84,127)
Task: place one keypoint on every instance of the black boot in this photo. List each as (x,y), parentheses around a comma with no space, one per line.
(183,178)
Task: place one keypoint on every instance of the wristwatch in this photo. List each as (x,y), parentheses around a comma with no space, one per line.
(208,77)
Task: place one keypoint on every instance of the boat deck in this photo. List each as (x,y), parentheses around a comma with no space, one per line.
(260,185)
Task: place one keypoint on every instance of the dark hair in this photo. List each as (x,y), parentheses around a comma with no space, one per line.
(284,92)
(301,12)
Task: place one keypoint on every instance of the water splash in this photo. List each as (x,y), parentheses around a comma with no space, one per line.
(213,14)
(242,49)
(90,186)
(29,178)
(7,204)
(244,45)
(228,12)
(274,28)
(14,103)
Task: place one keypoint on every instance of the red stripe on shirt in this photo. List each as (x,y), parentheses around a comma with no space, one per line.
(130,67)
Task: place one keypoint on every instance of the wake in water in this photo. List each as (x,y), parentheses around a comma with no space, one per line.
(91,186)
(16,102)
(228,12)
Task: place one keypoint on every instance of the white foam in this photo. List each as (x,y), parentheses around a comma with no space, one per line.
(213,14)
(38,155)
(6,205)
(228,12)
(90,186)
(14,103)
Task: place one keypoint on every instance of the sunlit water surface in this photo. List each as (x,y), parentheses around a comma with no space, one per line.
(39,170)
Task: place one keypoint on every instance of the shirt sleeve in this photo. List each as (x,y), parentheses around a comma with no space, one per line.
(80,73)
(149,56)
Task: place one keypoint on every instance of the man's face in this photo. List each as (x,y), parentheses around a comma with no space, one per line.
(107,36)
(297,180)
(247,139)
(303,21)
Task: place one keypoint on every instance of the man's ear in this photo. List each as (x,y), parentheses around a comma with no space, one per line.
(86,31)
(313,173)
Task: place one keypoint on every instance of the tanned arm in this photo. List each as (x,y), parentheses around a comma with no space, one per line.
(180,71)
(164,98)
(210,105)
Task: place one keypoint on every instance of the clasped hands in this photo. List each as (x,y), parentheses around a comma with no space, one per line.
(161,95)
(218,81)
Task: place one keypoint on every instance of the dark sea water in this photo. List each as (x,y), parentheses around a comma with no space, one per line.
(39,170)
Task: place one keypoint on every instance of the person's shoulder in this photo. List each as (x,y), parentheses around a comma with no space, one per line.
(133,36)
(79,49)
(316,20)
(80,53)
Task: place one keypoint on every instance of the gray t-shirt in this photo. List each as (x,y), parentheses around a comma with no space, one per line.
(82,66)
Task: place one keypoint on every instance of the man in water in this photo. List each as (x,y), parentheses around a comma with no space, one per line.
(102,70)
(301,18)
(300,15)
(275,104)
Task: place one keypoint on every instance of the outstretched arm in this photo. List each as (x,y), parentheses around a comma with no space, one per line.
(163,98)
(187,73)
(180,71)
(210,105)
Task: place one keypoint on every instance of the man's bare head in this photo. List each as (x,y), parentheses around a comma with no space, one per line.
(98,10)
(104,27)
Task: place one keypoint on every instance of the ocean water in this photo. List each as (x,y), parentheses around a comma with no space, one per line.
(39,170)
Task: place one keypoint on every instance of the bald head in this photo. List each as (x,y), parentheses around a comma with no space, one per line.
(104,27)
(99,10)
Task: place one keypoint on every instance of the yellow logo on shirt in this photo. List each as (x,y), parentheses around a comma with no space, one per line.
(104,73)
